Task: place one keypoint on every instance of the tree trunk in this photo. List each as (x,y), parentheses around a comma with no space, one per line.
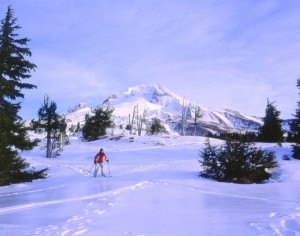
(49,147)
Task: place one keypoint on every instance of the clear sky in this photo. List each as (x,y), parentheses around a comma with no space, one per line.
(224,54)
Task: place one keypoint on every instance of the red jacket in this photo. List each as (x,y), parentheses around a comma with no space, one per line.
(100,157)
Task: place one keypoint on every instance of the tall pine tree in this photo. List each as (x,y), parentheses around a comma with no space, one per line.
(14,68)
(271,130)
(295,128)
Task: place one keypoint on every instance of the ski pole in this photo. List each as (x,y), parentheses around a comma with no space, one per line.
(90,169)
(108,167)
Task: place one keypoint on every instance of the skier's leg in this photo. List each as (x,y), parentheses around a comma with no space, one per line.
(96,169)
(102,172)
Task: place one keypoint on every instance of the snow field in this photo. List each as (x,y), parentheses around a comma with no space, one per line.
(154,190)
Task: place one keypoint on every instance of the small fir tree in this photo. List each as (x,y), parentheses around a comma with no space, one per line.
(209,162)
(97,124)
(237,162)
(14,68)
(271,130)
(155,127)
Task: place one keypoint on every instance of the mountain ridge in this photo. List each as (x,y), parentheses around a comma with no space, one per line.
(162,103)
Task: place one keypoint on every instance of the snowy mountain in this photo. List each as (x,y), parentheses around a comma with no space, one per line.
(162,103)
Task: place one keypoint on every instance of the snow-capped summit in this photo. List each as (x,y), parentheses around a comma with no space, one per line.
(153,93)
(156,99)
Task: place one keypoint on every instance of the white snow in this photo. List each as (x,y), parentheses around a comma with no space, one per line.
(155,189)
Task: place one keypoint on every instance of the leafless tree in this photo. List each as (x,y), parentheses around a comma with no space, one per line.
(140,120)
(131,119)
(185,109)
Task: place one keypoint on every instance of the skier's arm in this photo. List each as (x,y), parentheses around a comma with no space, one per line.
(96,159)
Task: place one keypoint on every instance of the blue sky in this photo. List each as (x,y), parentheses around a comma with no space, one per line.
(224,54)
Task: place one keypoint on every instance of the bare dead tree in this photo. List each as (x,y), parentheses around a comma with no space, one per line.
(140,120)
(185,109)
(131,121)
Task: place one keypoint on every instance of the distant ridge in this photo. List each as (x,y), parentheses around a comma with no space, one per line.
(162,103)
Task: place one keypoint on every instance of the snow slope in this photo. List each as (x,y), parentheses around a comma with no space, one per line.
(154,190)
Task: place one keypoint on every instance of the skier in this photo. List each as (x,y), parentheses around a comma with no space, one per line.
(98,161)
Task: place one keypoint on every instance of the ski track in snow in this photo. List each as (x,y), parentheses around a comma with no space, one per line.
(32,191)
(226,194)
(134,187)
(7,210)
(79,224)
(281,224)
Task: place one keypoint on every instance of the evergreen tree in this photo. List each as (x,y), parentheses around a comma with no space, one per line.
(50,122)
(78,128)
(210,163)
(271,130)
(237,162)
(97,124)
(155,127)
(295,129)
(14,68)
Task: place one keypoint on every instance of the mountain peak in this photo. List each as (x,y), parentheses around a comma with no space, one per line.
(154,93)
(144,89)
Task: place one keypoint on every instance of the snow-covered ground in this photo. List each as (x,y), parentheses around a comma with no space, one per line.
(155,189)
